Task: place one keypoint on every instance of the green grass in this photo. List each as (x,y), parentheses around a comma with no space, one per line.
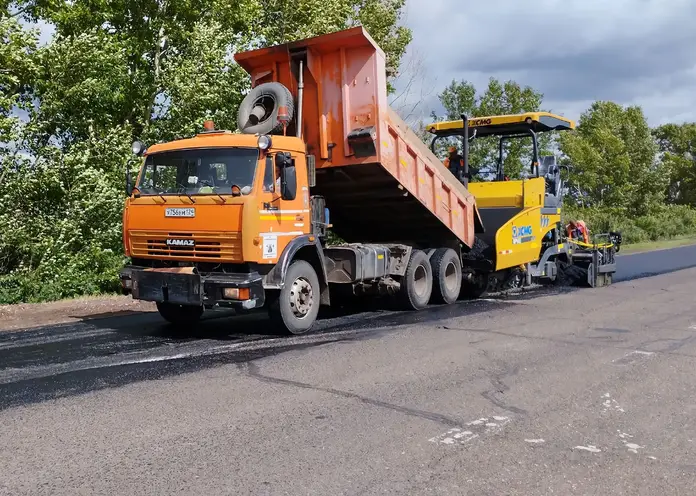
(659,245)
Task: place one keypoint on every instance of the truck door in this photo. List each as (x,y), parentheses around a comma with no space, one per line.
(282,220)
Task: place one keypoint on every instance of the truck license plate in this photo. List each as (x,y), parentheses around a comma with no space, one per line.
(180,212)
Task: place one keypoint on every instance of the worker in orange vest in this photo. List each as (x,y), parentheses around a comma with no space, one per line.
(577,229)
(455,163)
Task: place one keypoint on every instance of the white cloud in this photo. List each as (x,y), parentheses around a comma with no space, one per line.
(574,51)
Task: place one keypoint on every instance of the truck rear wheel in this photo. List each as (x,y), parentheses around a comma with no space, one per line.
(417,282)
(447,276)
(180,315)
(296,308)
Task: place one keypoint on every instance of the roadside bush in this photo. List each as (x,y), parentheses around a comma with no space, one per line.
(91,271)
(664,222)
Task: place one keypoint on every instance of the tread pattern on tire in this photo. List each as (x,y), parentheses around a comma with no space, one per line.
(281,95)
(276,311)
(436,261)
(407,299)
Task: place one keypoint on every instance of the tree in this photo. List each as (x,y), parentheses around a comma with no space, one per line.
(677,144)
(499,98)
(117,71)
(613,157)
(17,68)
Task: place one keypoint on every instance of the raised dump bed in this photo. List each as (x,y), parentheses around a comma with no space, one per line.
(381,183)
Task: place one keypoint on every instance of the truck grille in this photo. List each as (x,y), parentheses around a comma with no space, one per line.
(208,246)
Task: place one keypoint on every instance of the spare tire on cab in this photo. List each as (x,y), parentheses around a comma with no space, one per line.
(258,112)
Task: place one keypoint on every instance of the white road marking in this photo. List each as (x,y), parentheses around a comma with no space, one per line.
(455,435)
(692,326)
(534,441)
(590,448)
(633,357)
(632,447)
(477,428)
(610,404)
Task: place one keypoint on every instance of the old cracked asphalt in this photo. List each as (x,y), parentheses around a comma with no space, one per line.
(550,392)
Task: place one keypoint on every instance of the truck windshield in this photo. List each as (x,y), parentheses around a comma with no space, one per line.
(199,171)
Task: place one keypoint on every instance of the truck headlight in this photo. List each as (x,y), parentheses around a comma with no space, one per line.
(265,142)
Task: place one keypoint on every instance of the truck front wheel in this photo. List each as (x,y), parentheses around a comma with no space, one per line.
(181,315)
(296,308)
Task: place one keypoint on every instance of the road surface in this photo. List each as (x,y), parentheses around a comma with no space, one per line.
(549,392)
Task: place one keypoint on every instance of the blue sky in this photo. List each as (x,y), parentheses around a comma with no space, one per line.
(639,52)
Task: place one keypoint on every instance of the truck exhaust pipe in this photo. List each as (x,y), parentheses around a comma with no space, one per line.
(300,91)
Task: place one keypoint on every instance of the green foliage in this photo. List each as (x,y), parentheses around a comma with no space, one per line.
(151,70)
(499,98)
(663,222)
(17,68)
(613,158)
(61,221)
(677,144)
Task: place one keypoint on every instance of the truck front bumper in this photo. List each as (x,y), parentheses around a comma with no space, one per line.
(184,286)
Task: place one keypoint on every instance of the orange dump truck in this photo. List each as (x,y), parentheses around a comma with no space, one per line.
(240,220)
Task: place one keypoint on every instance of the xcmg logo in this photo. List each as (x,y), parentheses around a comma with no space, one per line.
(479,122)
(181,242)
(521,231)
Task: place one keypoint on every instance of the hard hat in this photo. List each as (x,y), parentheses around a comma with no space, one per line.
(452,149)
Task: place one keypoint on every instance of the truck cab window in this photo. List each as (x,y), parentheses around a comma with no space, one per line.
(199,171)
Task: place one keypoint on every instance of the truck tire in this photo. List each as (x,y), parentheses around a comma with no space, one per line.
(475,288)
(296,308)
(258,112)
(417,283)
(447,276)
(180,315)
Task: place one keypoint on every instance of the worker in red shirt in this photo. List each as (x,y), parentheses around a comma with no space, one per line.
(577,229)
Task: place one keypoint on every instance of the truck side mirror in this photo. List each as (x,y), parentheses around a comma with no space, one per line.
(288,183)
(288,176)
(129,182)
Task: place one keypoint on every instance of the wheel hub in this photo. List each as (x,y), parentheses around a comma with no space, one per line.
(301,297)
